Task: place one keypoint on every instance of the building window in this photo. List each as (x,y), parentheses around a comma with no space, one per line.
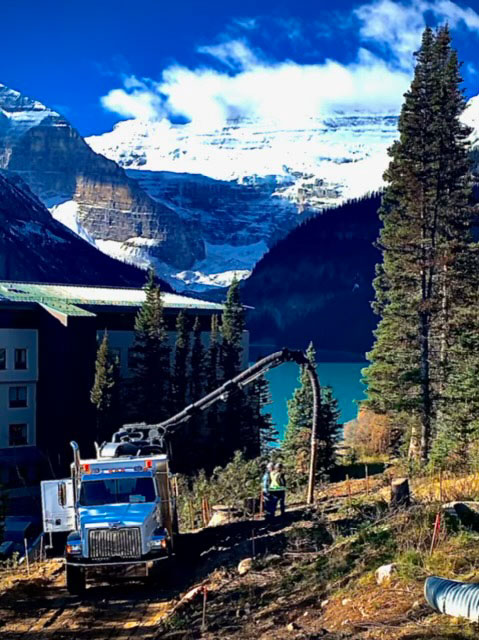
(3,358)
(20,358)
(17,435)
(17,397)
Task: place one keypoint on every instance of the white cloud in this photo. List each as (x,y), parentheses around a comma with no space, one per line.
(235,54)
(397,27)
(286,92)
(135,100)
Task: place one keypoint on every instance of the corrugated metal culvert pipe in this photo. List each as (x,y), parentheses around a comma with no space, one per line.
(458,599)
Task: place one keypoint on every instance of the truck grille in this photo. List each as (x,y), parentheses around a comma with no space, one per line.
(115,543)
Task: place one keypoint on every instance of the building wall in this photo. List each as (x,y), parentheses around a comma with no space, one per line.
(16,386)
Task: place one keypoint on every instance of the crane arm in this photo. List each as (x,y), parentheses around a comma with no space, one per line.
(155,433)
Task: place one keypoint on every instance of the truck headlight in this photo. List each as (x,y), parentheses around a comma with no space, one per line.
(158,543)
(73,547)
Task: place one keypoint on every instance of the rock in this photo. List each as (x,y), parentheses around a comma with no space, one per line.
(466,512)
(222,514)
(384,573)
(292,626)
(245,566)
(346,601)
(272,558)
(324,603)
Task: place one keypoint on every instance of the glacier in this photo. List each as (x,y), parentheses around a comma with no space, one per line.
(246,184)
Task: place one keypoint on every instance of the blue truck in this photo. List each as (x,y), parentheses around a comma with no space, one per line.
(119,510)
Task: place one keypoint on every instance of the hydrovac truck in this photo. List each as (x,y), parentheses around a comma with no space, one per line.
(119,508)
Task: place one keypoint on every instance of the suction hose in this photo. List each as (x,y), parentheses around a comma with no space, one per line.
(454,598)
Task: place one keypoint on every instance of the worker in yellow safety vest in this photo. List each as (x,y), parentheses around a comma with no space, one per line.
(277,488)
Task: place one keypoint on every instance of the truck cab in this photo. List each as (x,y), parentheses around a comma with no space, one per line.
(120,513)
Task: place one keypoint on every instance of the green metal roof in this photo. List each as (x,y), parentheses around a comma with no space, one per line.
(68,299)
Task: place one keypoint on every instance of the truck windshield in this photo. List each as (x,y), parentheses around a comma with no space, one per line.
(117,491)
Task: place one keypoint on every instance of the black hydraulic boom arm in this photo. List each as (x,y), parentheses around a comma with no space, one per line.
(156,433)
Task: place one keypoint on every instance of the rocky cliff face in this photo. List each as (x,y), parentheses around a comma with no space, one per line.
(238,221)
(35,247)
(83,189)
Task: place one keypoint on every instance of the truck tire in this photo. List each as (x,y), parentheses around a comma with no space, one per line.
(76,582)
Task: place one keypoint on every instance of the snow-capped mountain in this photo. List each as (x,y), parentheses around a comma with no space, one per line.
(345,153)
(84,190)
(245,185)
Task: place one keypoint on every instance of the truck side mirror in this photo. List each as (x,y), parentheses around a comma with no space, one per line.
(62,494)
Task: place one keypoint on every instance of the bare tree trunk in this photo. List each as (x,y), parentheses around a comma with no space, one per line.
(425,387)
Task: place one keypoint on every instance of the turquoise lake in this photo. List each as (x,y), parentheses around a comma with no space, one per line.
(343,377)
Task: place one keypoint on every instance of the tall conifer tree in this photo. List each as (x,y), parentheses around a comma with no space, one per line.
(150,359)
(232,327)
(296,445)
(426,247)
(105,392)
(180,367)
(198,365)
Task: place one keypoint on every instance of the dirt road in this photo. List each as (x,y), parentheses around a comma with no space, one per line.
(40,608)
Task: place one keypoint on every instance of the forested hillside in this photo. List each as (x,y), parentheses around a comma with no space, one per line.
(316,284)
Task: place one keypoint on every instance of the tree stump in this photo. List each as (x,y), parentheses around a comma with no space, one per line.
(400,494)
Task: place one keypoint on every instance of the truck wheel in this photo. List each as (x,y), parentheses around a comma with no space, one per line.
(76,582)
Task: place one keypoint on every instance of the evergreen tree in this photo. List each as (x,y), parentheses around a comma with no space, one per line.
(180,366)
(426,246)
(105,390)
(232,327)
(263,420)
(296,446)
(212,357)
(150,359)
(237,412)
(197,370)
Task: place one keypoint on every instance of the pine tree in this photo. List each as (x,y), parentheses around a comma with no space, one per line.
(236,415)
(197,370)
(232,327)
(104,393)
(296,445)
(180,366)
(150,359)
(426,246)
(263,420)
(212,357)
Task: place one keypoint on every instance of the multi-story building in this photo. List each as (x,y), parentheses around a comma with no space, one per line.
(49,335)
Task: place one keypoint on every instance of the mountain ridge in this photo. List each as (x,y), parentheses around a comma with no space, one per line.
(35,247)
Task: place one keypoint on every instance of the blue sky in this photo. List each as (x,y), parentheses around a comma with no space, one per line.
(98,61)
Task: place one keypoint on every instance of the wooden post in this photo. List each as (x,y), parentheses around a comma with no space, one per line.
(435,533)
(367,478)
(261,504)
(27,559)
(314,430)
(203,617)
(348,484)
